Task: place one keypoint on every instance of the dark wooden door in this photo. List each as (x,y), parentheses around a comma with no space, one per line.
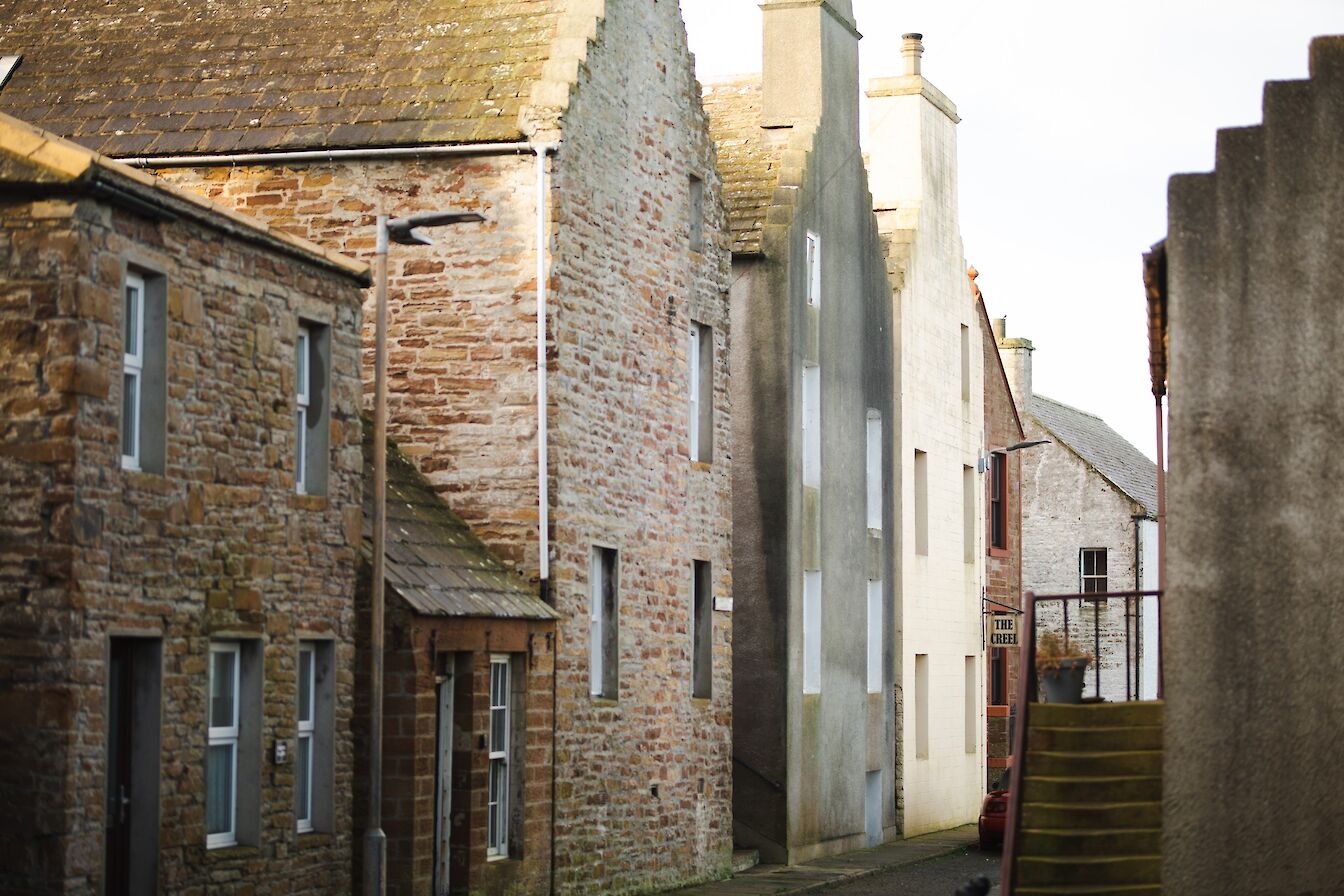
(120,706)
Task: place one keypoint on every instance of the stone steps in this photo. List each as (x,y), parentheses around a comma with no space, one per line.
(1091,800)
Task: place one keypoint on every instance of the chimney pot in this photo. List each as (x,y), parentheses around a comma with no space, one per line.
(1000,327)
(912,47)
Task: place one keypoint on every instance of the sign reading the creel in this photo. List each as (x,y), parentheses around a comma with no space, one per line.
(1003,630)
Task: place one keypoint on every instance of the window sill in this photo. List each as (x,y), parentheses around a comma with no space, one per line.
(702,465)
(599,700)
(308,502)
(1000,552)
(230,853)
(313,839)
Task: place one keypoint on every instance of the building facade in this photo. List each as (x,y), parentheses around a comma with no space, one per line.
(576,129)
(1089,507)
(814,724)
(912,167)
(1001,471)
(180,481)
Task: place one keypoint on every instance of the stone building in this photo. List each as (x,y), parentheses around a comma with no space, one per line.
(1253,692)
(912,168)
(576,129)
(814,723)
(1002,472)
(179,526)
(470,649)
(1089,525)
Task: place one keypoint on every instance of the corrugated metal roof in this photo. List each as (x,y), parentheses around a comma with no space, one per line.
(432,558)
(1102,448)
(160,77)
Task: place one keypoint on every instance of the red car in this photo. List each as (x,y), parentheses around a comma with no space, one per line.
(994,812)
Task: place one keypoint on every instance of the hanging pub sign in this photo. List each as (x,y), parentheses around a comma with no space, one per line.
(1003,630)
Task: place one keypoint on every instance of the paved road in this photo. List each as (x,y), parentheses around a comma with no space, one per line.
(932,877)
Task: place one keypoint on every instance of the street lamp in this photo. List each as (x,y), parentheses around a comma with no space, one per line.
(402,231)
(982,462)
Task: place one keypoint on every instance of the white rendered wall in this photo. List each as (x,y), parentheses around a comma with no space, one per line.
(914,183)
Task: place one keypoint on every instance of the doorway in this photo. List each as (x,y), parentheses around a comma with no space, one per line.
(132,800)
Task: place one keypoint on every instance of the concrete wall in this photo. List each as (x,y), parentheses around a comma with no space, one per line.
(914,171)
(821,747)
(624,287)
(219,546)
(1254,693)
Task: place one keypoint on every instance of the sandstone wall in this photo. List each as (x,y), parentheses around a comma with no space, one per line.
(219,546)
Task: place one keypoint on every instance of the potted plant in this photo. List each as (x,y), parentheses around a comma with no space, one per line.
(1060,668)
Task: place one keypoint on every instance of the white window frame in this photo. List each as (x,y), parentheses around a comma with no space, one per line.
(133,368)
(693,363)
(876,480)
(812,631)
(813,265)
(303,814)
(875,638)
(304,361)
(225,735)
(811,425)
(497,786)
(1084,577)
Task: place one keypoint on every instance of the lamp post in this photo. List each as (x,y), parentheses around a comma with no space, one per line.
(982,462)
(402,231)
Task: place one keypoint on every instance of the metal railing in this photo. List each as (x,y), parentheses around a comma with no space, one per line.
(1134,653)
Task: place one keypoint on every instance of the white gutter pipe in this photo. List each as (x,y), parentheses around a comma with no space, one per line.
(541,150)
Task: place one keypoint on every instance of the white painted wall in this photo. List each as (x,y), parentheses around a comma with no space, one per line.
(914,176)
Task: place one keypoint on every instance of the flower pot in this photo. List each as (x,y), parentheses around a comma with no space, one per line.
(1065,684)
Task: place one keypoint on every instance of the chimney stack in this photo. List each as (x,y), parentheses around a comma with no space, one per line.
(810,69)
(912,48)
(1016,355)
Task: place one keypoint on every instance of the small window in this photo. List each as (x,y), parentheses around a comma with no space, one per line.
(603,623)
(813,270)
(968,527)
(700,367)
(312,420)
(965,363)
(702,631)
(697,211)
(501,725)
(812,631)
(142,372)
(233,771)
(811,425)
(998,500)
(1093,564)
(921,706)
(876,481)
(998,676)
(875,638)
(921,502)
(972,701)
(312,761)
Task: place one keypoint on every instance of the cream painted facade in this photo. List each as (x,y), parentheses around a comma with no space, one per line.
(913,172)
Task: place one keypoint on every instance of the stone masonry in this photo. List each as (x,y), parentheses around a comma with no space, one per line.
(216,546)
(623,287)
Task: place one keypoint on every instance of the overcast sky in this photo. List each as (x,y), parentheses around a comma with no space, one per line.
(1074,114)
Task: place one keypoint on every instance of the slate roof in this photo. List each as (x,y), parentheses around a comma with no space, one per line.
(33,158)
(157,77)
(434,561)
(749,161)
(1102,448)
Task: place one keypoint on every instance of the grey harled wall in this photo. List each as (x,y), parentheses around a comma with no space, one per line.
(819,747)
(1255,608)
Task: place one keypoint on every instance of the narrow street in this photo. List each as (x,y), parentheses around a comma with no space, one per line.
(933,877)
